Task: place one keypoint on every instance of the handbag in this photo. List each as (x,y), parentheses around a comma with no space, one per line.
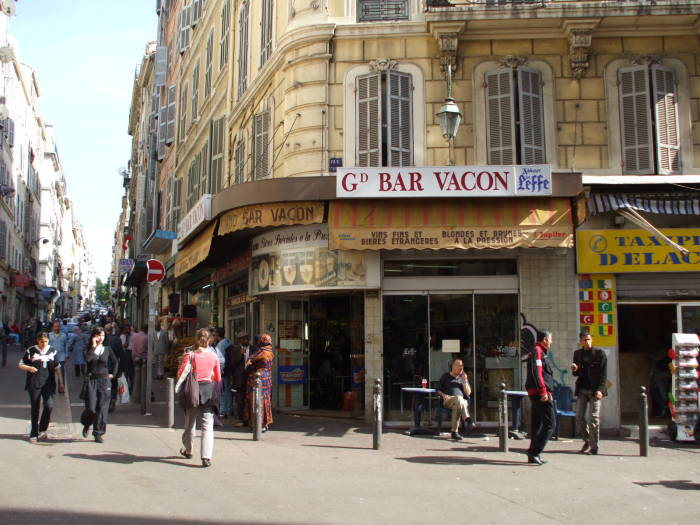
(84,390)
(188,396)
(123,390)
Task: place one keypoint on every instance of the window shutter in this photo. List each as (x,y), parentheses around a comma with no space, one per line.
(172,105)
(500,113)
(161,72)
(260,139)
(668,147)
(184,34)
(204,179)
(182,131)
(243,50)
(196,9)
(399,90)
(225,26)
(208,65)
(266,32)
(162,130)
(3,239)
(531,116)
(195,92)
(240,161)
(10,132)
(635,113)
(369,121)
(217,155)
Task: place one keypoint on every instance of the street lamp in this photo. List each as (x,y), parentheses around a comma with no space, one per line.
(449,116)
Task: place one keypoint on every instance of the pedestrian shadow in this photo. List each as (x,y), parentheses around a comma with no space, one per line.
(678,484)
(124,458)
(471,448)
(339,446)
(24,437)
(446,460)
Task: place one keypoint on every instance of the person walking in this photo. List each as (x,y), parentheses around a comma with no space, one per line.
(77,343)
(202,362)
(127,362)
(225,347)
(101,366)
(113,341)
(161,347)
(539,385)
(59,341)
(40,362)
(590,367)
(261,360)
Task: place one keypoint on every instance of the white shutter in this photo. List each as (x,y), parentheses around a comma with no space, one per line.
(217,155)
(10,132)
(225,26)
(182,131)
(195,92)
(500,117)
(399,93)
(635,115)
(531,110)
(204,178)
(196,9)
(260,138)
(161,70)
(243,50)
(369,121)
(266,32)
(240,161)
(172,111)
(208,65)
(162,130)
(184,24)
(668,146)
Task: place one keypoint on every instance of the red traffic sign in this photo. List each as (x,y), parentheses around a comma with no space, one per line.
(155,271)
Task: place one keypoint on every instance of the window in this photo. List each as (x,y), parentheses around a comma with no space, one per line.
(225,30)
(261,131)
(162,130)
(243,48)
(378,10)
(266,31)
(208,65)
(217,155)
(649,119)
(184,28)
(515,116)
(161,70)
(183,114)
(239,161)
(195,92)
(384,119)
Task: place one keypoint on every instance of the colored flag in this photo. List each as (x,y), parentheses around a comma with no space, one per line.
(604,295)
(605,307)
(585,296)
(585,283)
(605,284)
(586,307)
(604,318)
(587,319)
(605,329)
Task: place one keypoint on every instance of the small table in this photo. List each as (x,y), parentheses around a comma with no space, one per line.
(517,396)
(419,396)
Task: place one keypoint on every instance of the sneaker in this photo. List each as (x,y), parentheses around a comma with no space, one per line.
(33,439)
(456,436)
(594,451)
(98,438)
(43,435)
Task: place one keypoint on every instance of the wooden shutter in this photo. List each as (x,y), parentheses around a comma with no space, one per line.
(196,9)
(243,50)
(162,130)
(400,118)
(208,65)
(225,26)
(204,181)
(182,130)
(260,139)
(240,161)
(195,92)
(3,239)
(161,69)
(172,112)
(531,113)
(217,154)
(369,120)
(266,32)
(10,132)
(668,146)
(500,117)
(635,115)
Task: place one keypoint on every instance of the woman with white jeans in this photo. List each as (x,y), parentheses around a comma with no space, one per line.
(205,366)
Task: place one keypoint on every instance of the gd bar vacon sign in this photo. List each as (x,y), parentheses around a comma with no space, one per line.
(445,181)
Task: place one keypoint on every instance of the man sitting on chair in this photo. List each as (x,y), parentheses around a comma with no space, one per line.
(454,390)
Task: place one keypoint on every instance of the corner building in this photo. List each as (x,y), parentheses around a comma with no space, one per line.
(362,240)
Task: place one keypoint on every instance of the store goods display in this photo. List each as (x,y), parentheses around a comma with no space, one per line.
(683,397)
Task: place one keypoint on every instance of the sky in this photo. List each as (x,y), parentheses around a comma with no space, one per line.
(85,54)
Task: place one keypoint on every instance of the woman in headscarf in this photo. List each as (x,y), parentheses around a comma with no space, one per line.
(40,362)
(102,364)
(261,360)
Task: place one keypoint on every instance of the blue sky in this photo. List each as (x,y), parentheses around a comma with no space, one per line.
(85,54)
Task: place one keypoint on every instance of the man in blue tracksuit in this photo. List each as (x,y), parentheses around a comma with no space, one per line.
(539,385)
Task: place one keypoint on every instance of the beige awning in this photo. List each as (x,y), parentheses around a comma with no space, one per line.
(195,251)
(277,214)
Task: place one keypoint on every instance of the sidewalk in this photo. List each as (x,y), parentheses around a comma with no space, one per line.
(313,470)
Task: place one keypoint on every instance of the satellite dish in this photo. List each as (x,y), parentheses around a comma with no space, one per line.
(4,112)
(6,54)
(9,7)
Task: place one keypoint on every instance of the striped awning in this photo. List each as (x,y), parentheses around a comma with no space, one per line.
(666,205)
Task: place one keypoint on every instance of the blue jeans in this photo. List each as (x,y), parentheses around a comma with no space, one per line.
(226,397)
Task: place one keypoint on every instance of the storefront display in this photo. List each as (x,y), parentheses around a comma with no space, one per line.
(683,397)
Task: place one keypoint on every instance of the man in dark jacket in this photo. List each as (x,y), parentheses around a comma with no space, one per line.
(590,367)
(539,385)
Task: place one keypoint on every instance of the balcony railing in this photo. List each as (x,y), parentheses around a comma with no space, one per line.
(381,10)
(471,3)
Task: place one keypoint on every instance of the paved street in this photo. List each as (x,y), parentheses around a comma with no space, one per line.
(311,470)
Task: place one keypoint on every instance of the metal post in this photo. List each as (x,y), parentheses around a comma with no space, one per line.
(503,419)
(143,388)
(151,334)
(257,407)
(136,390)
(171,402)
(643,423)
(378,414)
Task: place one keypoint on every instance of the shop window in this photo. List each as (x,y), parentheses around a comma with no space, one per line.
(515,116)
(449,268)
(649,119)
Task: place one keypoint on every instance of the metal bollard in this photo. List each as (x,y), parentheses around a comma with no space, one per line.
(643,423)
(136,390)
(503,419)
(144,371)
(171,402)
(378,414)
(257,407)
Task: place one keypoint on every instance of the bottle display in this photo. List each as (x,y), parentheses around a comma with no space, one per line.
(683,397)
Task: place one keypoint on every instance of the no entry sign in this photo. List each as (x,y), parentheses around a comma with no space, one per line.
(155,271)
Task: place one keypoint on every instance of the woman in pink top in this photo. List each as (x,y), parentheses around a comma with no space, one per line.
(208,373)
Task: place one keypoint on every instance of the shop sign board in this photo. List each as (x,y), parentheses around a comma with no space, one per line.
(624,251)
(445,181)
(125,265)
(291,374)
(263,215)
(597,311)
(298,259)
(196,217)
(20,280)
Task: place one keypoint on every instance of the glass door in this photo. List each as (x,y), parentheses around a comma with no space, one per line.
(293,353)
(689,318)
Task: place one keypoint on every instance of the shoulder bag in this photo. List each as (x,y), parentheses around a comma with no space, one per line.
(189,393)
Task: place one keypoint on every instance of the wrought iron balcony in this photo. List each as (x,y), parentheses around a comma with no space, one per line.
(382,10)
